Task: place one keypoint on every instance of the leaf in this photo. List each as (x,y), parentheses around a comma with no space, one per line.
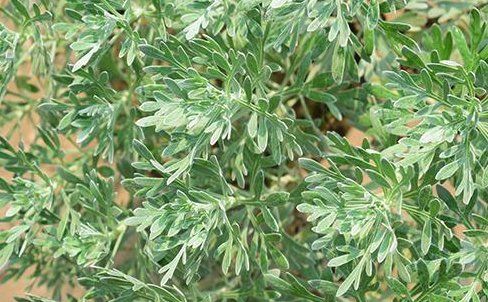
(269,219)
(324,286)
(142,150)
(258,183)
(152,52)
(20,7)
(462,46)
(343,259)
(434,207)
(252,126)
(413,59)
(221,61)
(398,287)
(477,234)
(247,85)
(193,29)
(182,167)
(16,232)
(369,41)
(344,287)
(5,254)
(13,210)
(426,237)
(338,63)
(322,97)
(299,289)
(448,170)
(277,282)
(279,258)
(277,198)
(68,176)
(227,258)
(262,136)
(66,120)
(62,226)
(384,248)
(433,135)
(378,178)
(423,272)
(85,58)
(325,223)
(311,165)
(334,111)
(277,3)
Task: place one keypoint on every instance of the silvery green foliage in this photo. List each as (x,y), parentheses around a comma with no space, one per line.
(8,43)
(185,150)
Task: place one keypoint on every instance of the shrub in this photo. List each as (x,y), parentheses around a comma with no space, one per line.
(194,150)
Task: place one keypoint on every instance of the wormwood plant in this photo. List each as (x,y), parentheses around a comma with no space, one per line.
(194,150)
